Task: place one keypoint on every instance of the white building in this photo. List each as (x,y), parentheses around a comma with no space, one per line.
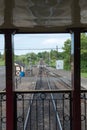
(59,64)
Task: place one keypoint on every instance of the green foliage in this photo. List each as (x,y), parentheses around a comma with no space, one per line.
(48,57)
(83,52)
(83,41)
(54,54)
(67,46)
(2,61)
(84,75)
(44,55)
(26,59)
(53,63)
(67,54)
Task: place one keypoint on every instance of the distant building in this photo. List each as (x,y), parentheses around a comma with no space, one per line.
(19,67)
(59,64)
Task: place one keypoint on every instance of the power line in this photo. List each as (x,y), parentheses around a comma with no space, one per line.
(38,49)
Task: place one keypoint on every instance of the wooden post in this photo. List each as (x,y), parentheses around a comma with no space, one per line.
(76,105)
(9,79)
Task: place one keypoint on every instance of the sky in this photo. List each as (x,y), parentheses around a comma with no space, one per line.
(26,43)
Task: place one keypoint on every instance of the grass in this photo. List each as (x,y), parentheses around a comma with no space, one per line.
(2,62)
(84,75)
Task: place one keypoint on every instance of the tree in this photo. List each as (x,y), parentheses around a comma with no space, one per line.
(54,54)
(83,52)
(40,55)
(84,41)
(67,54)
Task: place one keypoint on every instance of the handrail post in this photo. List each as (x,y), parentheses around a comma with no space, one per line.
(76,104)
(8,33)
(15,111)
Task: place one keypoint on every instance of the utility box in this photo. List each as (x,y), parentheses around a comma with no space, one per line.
(60,64)
(22,74)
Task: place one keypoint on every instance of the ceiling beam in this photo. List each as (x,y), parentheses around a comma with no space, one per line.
(75,14)
(8,13)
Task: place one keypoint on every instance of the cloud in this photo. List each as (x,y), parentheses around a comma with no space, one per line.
(39,41)
(53,42)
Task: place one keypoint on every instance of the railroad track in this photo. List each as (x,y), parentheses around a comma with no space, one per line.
(63,80)
(43,111)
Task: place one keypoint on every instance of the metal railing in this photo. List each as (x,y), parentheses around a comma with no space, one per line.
(2,111)
(43,110)
(84,109)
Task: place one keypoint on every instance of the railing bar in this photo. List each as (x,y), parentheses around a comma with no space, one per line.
(49,116)
(15,112)
(60,127)
(30,118)
(56,110)
(28,112)
(43,113)
(45,91)
(36,116)
(23,110)
(1,111)
(70,111)
(63,111)
(85,112)
(2,92)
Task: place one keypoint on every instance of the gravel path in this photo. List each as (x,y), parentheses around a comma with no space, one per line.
(67,74)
